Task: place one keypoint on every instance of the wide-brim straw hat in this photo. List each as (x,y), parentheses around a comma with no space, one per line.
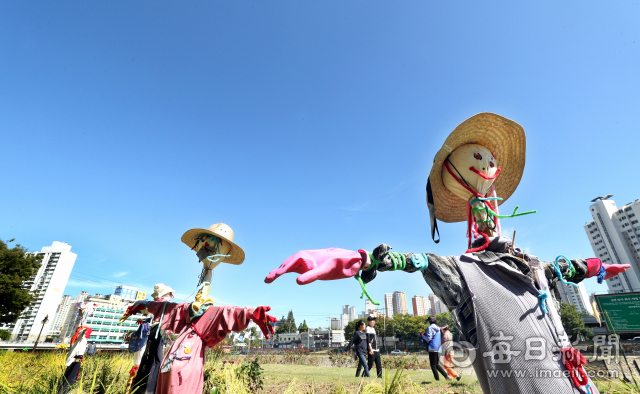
(222,231)
(160,290)
(506,141)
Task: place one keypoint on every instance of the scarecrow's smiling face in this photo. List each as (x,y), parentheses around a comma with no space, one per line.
(475,166)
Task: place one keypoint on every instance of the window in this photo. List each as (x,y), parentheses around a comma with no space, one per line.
(634,222)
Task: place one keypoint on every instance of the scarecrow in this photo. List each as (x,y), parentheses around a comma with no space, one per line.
(75,354)
(200,323)
(505,301)
(148,358)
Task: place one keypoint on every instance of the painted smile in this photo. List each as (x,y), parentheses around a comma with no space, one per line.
(473,169)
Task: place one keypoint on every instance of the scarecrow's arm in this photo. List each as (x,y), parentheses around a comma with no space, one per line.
(228,319)
(581,269)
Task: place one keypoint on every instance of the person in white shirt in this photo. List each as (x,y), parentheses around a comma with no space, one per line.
(374,352)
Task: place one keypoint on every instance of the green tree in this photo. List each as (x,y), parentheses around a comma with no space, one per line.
(16,266)
(5,335)
(349,330)
(573,323)
(288,324)
(303,327)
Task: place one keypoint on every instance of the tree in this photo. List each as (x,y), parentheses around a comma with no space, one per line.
(349,330)
(5,335)
(288,324)
(573,323)
(303,327)
(16,266)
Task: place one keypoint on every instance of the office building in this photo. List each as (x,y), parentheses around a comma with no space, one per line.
(399,303)
(614,234)
(388,304)
(47,286)
(335,323)
(576,296)
(420,305)
(104,320)
(126,292)
(141,295)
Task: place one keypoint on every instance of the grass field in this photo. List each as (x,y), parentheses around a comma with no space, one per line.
(27,373)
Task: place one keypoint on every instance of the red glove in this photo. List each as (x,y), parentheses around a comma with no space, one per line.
(263,320)
(322,264)
(594,264)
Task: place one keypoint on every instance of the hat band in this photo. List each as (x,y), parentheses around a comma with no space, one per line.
(432,213)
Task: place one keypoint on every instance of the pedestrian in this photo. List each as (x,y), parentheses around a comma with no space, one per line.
(92,348)
(360,347)
(374,352)
(447,348)
(433,339)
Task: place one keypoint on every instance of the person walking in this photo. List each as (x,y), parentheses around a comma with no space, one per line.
(374,352)
(433,338)
(447,348)
(91,349)
(360,346)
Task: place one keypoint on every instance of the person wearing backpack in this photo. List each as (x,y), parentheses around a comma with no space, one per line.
(433,339)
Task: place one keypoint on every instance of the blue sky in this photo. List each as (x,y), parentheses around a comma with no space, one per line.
(301,125)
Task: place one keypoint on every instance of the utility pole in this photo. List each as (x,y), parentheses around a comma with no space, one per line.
(44,321)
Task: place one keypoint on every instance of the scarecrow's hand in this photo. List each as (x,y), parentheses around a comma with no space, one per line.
(320,264)
(263,320)
(611,270)
(614,269)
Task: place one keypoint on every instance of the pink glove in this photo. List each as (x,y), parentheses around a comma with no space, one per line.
(263,320)
(321,264)
(593,268)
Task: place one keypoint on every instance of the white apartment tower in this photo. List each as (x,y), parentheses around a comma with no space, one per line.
(420,306)
(437,306)
(369,307)
(47,286)
(614,234)
(399,303)
(68,303)
(388,304)
(576,296)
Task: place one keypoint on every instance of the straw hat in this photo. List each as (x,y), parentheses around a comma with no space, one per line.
(503,137)
(160,290)
(222,231)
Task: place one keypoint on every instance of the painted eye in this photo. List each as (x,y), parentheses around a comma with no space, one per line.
(477,156)
(491,164)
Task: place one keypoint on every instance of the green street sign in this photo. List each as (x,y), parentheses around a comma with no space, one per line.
(623,310)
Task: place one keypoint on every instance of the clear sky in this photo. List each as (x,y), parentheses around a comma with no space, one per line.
(302,125)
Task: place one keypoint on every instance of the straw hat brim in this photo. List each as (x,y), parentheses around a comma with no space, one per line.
(506,141)
(236,252)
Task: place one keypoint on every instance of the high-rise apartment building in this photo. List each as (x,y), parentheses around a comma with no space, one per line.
(420,305)
(614,234)
(576,296)
(399,303)
(47,286)
(83,295)
(437,306)
(369,307)
(126,292)
(344,320)
(66,304)
(388,304)
(352,313)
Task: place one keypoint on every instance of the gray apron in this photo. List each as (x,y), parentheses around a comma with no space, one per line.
(518,349)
